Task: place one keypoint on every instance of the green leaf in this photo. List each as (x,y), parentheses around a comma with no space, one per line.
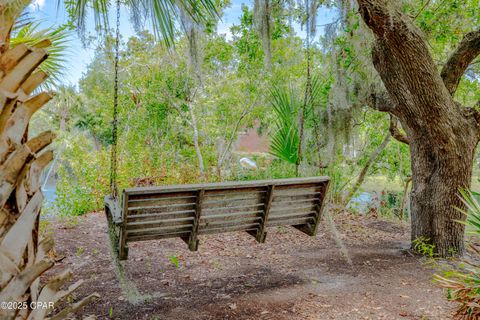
(175,261)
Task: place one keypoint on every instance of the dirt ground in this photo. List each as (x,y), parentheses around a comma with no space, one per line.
(291,276)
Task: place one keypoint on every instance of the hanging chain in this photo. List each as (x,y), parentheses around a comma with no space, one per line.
(308,90)
(113,165)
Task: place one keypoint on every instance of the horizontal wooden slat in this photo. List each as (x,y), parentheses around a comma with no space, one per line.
(293,204)
(158,210)
(232,216)
(228,223)
(293,208)
(167,208)
(160,230)
(159,216)
(296,192)
(232,201)
(160,202)
(234,194)
(144,191)
(291,215)
(159,223)
(233,208)
(289,222)
(244,227)
(163,197)
(160,195)
(301,197)
(133,238)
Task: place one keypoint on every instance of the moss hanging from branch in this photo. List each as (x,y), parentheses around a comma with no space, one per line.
(262,19)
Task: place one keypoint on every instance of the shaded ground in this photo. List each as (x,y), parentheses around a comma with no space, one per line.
(291,276)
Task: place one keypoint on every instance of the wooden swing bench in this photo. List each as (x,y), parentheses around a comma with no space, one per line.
(188,211)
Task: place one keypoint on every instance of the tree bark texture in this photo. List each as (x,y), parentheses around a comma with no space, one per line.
(24,255)
(441,133)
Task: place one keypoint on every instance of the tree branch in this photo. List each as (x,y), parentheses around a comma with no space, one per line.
(380,102)
(460,59)
(395,131)
(361,177)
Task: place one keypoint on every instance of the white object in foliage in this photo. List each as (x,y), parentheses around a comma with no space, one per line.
(248,164)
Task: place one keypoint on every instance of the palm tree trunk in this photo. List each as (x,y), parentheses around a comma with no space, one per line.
(23,255)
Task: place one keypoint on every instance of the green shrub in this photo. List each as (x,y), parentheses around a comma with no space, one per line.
(463,283)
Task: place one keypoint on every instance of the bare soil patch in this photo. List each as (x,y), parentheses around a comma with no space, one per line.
(291,276)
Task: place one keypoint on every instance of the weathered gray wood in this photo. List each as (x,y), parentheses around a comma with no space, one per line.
(228,223)
(231,205)
(156,202)
(231,216)
(157,236)
(157,216)
(240,192)
(122,246)
(251,208)
(188,211)
(115,209)
(254,198)
(297,208)
(159,195)
(154,230)
(225,185)
(292,215)
(284,200)
(166,208)
(193,240)
(261,234)
(242,227)
(162,197)
(159,223)
(320,206)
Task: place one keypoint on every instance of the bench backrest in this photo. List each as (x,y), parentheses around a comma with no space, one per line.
(187,211)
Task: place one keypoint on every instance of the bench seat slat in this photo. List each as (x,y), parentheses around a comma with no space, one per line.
(231,216)
(290,222)
(134,196)
(160,215)
(243,227)
(159,223)
(283,202)
(290,215)
(160,230)
(163,208)
(206,224)
(219,202)
(253,206)
(296,208)
(157,236)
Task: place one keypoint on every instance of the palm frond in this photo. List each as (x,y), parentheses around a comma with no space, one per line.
(463,282)
(472,211)
(32,34)
(162,14)
(285,140)
(284,144)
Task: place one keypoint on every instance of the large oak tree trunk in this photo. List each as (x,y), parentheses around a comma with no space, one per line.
(442,134)
(441,165)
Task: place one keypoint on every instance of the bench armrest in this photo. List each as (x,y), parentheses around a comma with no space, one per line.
(114,206)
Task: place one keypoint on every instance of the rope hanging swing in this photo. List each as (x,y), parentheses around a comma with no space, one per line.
(189,211)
